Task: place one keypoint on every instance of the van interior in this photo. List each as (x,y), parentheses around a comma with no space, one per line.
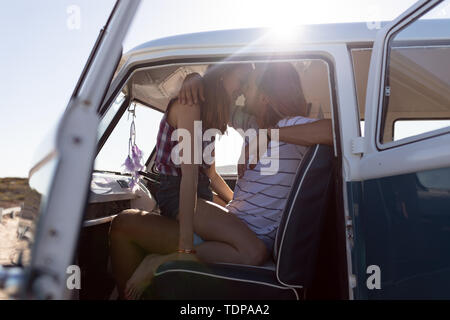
(294,274)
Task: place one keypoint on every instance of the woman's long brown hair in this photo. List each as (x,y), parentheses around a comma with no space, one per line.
(215,110)
(281,84)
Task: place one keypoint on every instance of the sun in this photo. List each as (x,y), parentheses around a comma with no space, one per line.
(284,21)
(284,34)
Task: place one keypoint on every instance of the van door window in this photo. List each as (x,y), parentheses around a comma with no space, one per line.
(407,128)
(417,82)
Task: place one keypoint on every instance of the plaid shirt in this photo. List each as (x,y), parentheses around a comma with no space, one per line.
(164,146)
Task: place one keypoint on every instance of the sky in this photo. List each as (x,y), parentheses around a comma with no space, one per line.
(45,44)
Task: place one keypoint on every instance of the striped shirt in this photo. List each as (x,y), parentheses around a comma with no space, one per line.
(259,199)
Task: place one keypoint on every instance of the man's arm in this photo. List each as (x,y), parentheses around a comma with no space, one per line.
(317,132)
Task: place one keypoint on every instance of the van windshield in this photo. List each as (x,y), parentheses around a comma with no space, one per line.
(115,150)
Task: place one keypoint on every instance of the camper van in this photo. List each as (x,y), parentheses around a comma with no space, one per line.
(368,218)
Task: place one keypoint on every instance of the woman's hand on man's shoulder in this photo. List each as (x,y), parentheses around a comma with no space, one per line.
(192,90)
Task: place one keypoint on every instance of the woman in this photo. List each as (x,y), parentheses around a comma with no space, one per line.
(133,233)
(229,235)
(181,180)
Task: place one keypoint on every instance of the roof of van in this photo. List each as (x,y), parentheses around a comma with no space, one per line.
(356,32)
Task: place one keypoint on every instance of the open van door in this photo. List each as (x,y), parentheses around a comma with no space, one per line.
(62,176)
(401,206)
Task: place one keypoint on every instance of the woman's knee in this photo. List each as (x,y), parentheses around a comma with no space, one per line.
(122,223)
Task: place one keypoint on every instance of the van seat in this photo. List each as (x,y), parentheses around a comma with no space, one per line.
(296,248)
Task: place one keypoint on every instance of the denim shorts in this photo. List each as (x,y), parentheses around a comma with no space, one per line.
(168,195)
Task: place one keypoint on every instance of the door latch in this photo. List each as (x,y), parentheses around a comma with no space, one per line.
(358,145)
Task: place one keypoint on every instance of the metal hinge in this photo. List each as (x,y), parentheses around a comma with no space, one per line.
(387,91)
(358,145)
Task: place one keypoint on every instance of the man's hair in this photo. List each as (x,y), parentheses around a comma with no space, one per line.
(281,84)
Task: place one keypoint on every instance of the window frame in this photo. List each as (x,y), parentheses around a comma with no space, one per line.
(385,72)
(352,49)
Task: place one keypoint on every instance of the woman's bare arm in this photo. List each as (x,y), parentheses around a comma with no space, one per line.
(189,180)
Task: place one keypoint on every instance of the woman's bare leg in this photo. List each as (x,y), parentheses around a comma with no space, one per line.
(133,235)
(228,239)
